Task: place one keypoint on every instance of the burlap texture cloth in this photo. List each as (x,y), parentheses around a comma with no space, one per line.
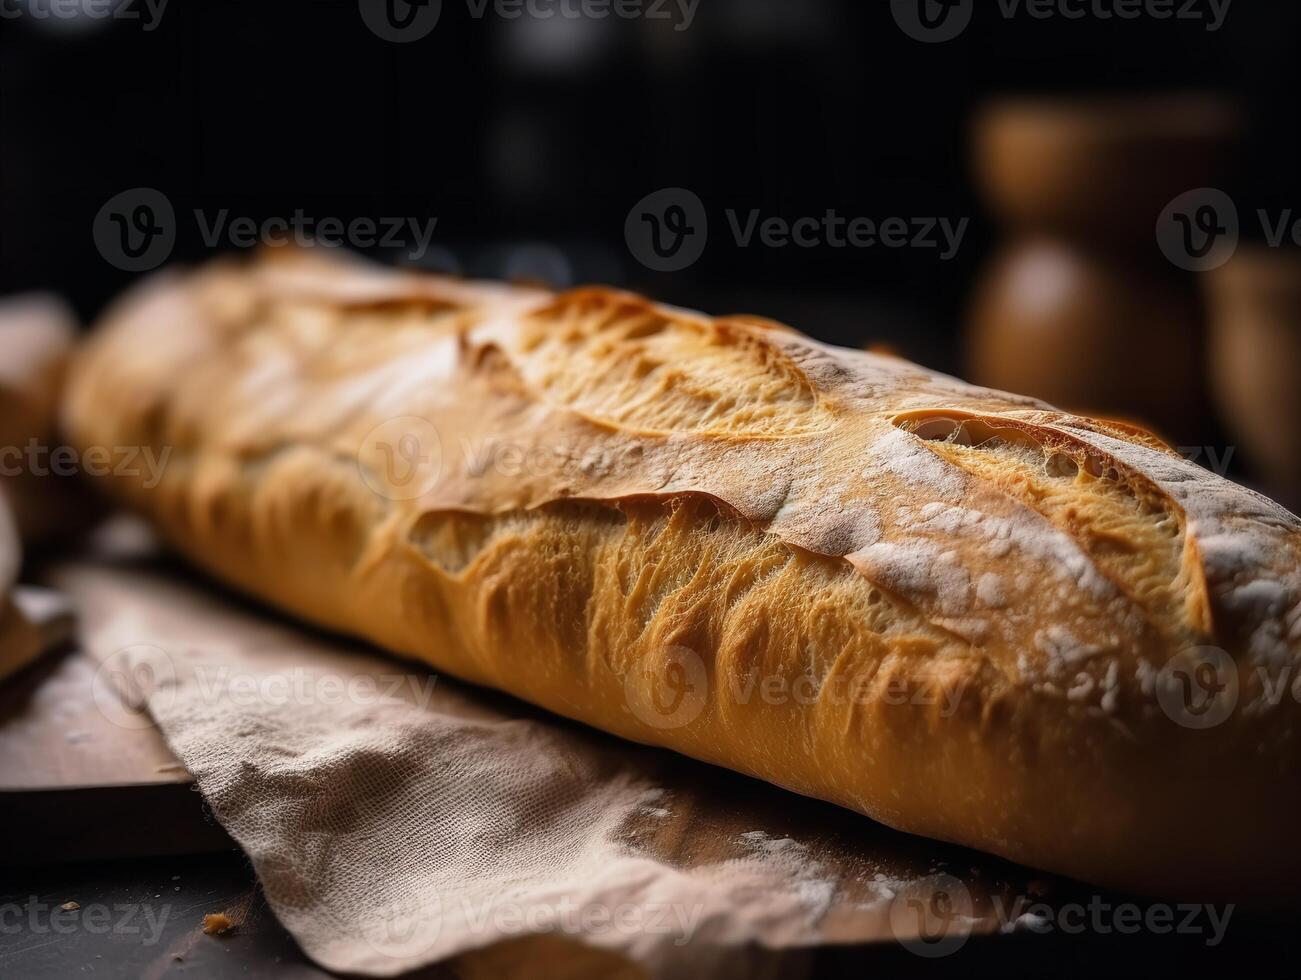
(396,818)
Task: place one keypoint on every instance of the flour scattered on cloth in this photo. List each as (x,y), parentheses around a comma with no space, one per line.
(814,886)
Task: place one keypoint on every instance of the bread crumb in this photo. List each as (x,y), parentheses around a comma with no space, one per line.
(69,907)
(217,923)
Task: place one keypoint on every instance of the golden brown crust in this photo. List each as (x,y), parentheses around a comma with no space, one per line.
(949,608)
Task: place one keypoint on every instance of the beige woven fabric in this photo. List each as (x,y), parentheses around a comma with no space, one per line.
(396,819)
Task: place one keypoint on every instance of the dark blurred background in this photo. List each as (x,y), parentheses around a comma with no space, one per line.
(531,138)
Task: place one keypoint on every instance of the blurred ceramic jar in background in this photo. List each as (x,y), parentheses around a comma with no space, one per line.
(1079,307)
(37,333)
(1255,357)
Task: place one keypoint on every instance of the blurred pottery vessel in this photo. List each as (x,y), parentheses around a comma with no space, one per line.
(1255,361)
(1103,168)
(37,334)
(1085,334)
(1079,307)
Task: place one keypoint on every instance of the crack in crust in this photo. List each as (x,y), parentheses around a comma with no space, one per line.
(620,362)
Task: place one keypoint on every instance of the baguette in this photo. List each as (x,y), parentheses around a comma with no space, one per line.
(957,611)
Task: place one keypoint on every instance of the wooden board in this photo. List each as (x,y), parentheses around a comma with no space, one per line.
(53,734)
(81,778)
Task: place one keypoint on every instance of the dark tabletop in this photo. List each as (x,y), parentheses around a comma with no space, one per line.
(144,919)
